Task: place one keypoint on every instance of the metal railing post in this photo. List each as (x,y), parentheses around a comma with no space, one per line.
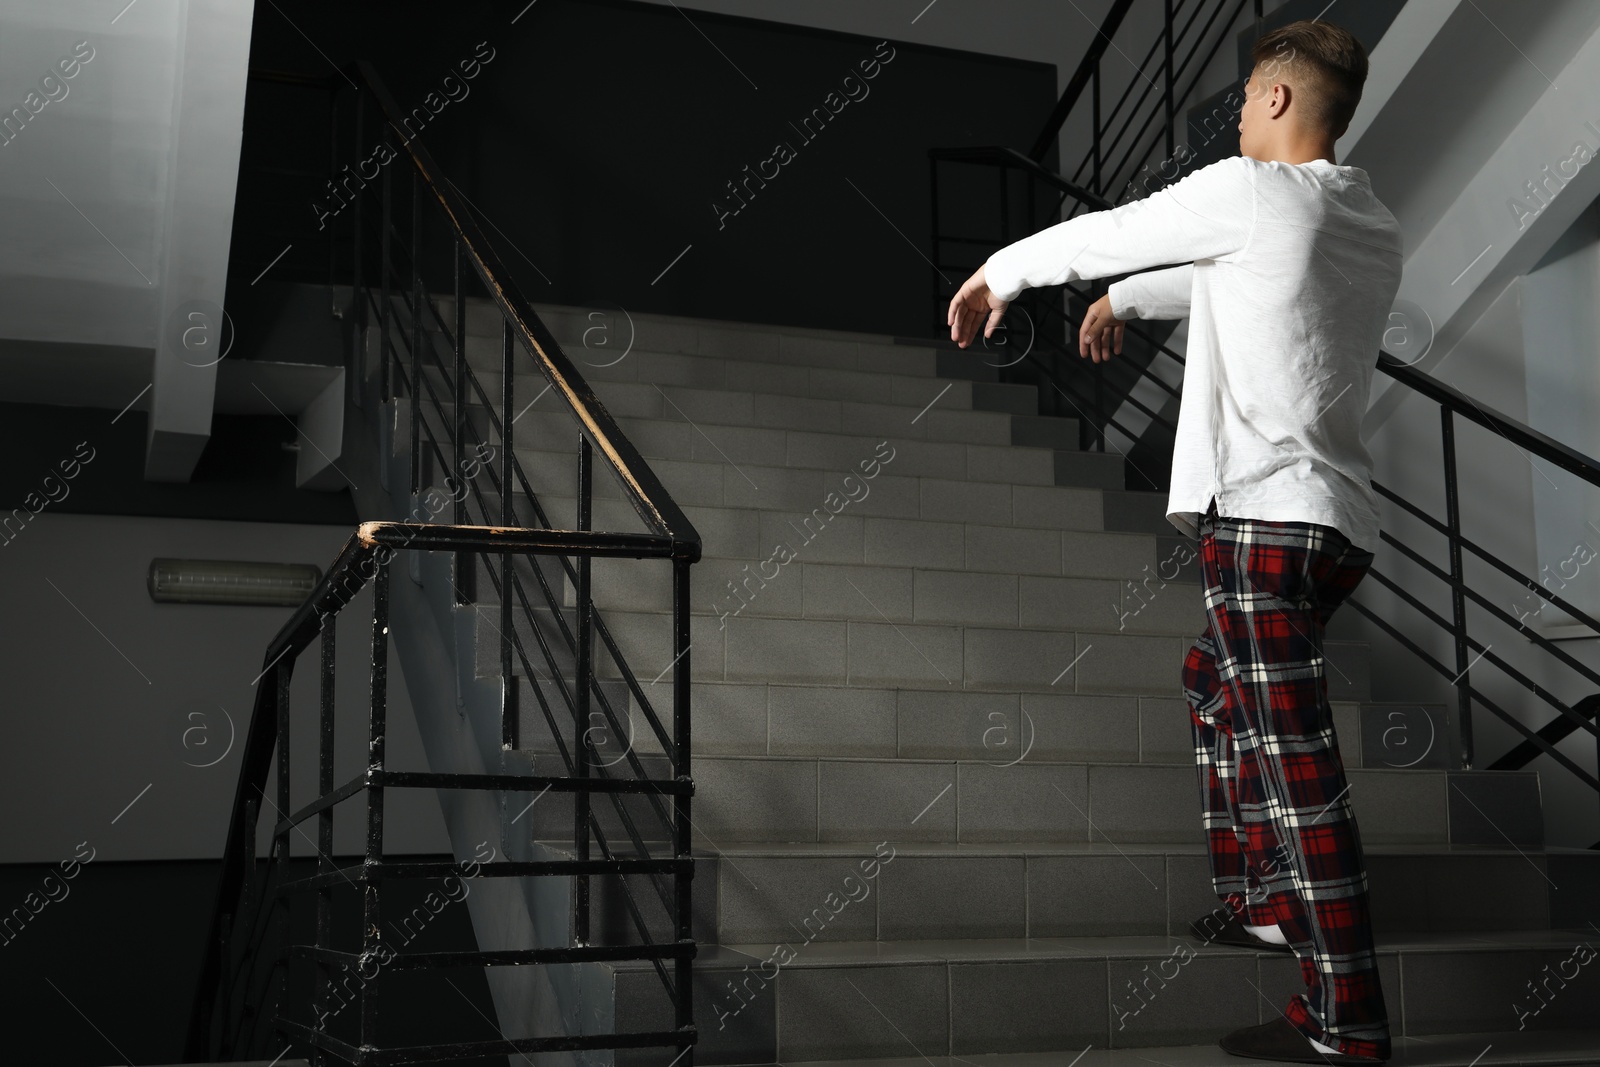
(933,268)
(584,740)
(416,334)
(377,729)
(324,928)
(333,174)
(277,905)
(1167,79)
(683,884)
(466,562)
(384,383)
(510,721)
(357,246)
(1458,601)
(1094,91)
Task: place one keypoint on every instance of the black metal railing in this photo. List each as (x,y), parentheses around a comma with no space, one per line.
(1104,398)
(1573,713)
(1120,145)
(429,377)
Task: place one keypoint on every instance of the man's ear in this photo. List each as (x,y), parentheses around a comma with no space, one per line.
(1279,103)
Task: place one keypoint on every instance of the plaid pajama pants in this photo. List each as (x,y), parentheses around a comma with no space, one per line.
(1282,838)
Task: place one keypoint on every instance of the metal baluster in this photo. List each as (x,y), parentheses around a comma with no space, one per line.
(683,883)
(247,905)
(277,993)
(358,325)
(466,561)
(384,383)
(938,245)
(333,175)
(1458,600)
(371,932)
(416,334)
(324,932)
(1094,86)
(510,723)
(1171,108)
(581,744)
(1005,205)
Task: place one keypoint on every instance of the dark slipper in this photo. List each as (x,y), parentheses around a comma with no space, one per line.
(1232,932)
(1279,1040)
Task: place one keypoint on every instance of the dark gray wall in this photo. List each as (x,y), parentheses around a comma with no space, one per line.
(600,135)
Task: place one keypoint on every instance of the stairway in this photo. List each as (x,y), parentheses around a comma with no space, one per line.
(945,797)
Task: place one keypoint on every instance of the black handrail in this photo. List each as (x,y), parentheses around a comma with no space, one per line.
(1452,402)
(1058,366)
(1088,68)
(1543,445)
(640,486)
(365,558)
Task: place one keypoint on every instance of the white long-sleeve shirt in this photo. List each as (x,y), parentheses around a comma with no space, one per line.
(1287,272)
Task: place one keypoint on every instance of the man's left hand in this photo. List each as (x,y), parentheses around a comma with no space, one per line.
(1101,331)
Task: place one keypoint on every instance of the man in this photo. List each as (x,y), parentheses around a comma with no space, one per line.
(1287,266)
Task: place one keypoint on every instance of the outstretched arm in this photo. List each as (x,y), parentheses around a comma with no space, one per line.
(1210,214)
(1155,294)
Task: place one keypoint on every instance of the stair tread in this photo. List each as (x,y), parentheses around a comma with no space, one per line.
(1498,1048)
(943,849)
(614,611)
(900,760)
(814,954)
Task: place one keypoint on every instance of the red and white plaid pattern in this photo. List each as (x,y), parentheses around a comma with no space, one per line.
(1283,840)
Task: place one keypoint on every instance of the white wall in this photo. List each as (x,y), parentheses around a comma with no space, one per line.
(116,202)
(104,690)
(1499,92)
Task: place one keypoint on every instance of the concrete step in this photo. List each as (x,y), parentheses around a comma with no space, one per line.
(1519,1047)
(899,383)
(1045,431)
(750,449)
(911,594)
(749,892)
(720,483)
(895,523)
(895,592)
(593,336)
(747,456)
(745,530)
(1056,999)
(1136,511)
(934,521)
(996,726)
(911,521)
(776,798)
(921,413)
(865,650)
(646,372)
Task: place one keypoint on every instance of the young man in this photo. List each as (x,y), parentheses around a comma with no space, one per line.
(1287,266)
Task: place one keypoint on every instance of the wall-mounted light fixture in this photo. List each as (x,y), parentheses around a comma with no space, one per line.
(230,581)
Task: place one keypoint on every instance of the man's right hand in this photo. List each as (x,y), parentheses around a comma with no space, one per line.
(972,302)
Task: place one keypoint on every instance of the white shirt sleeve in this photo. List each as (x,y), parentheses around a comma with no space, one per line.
(1209,214)
(1155,294)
